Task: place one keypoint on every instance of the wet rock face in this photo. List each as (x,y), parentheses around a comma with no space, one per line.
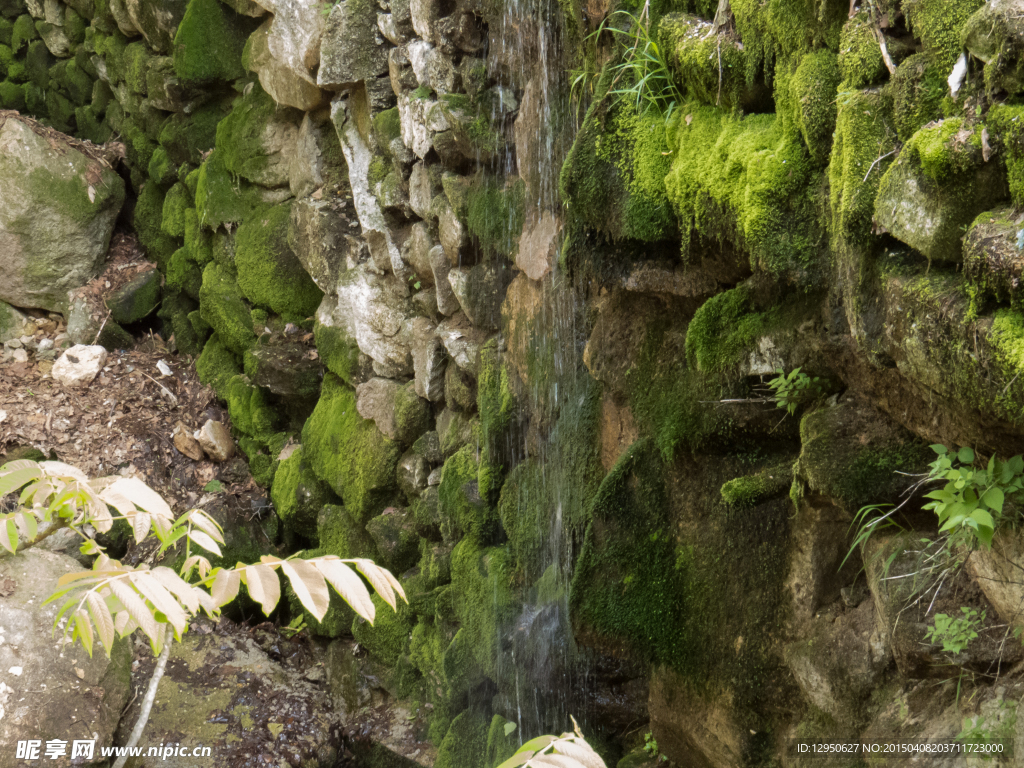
(47,689)
(47,250)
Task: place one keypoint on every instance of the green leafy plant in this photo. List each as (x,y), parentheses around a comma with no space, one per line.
(971,501)
(793,390)
(999,727)
(570,750)
(113,599)
(955,632)
(642,74)
(650,744)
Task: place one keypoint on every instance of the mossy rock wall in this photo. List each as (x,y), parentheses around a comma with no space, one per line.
(593,481)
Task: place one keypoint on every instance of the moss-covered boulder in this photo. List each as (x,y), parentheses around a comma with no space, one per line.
(941,180)
(135,299)
(223,306)
(349,51)
(299,495)
(395,534)
(349,452)
(57,212)
(284,367)
(269,274)
(256,140)
(992,261)
(209,41)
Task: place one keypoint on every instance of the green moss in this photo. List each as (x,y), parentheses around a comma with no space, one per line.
(939,23)
(38,61)
(916,91)
(161,170)
(176,202)
(183,275)
(339,534)
(614,176)
(240,141)
(223,307)
(386,126)
(12,96)
(6,31)
(217,365)
(775,31)
(60,112)
(338,350)
(494,214)
(485,607)
(723,330)
(198,242)
(299,495)
(812,99)
(74,26)
(349,452)
(23,32)
(860,57)
(461,509)
(465,741)
(209,41)
(174,311)
(221,199)
(269,273)
(78,84)
(139,149)
(136,63)
(1007,122)
(388,637)
(706,68)
(250,409)
(743,180)
(500,745)
(937,151)
(412,414)
(186,137)
(148,220)
(861,153)
(751,490)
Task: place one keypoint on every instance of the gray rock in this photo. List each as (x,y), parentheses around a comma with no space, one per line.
(441,73)
(137,298)
(287,84)
(417,52)
(157,20)
(463,342)
(429,360)
(314,142)
(375,312)
(13,324)
(454,430)
(429,447)
(930,216)
(320,234)
(295,38)
(215,439)
(480,291)
(459,389)
(538,247)
(394,533)
(452,232)
(57,212)
(79,365)
(400,71)
(353,48)
(416,252)
(447,303)
(375,400)
(86,326)
(415,113)
(55,39)
(284,367)
(421,191)
(49,690)
(413,472)
(238,697)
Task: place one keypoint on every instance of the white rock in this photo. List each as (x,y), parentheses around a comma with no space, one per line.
(45,344)
(215,439)
(79,365)
(20,356)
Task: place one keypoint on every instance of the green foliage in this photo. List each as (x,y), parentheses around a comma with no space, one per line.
(971,501)
(955,633)
(793,390)
(642,76)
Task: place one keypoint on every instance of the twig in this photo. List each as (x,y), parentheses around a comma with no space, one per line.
(147,702)
(102,325)
(885,51)
(877,161)
(719,98)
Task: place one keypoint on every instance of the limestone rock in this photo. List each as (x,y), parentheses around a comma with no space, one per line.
(394,532)
(57,212)
(135,299)
(997,570)
(353,48)
(376,231)
(79,365)
(416,252)
(316,149)
(284,367)
(257,139)
(429,360)
(993,35)
(454,430)
(395,408)
(463,342)
(421,191)
(295,35)
(453,234)
(47,687)
(374,311)
(287,85)
(459,389)
(215,439)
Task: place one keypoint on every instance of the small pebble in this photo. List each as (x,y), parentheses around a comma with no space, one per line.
(20,356)
(45,344)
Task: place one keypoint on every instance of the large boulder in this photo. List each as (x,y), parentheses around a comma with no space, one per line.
(57,211)
(287,86)
(49,690)
(157,20)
